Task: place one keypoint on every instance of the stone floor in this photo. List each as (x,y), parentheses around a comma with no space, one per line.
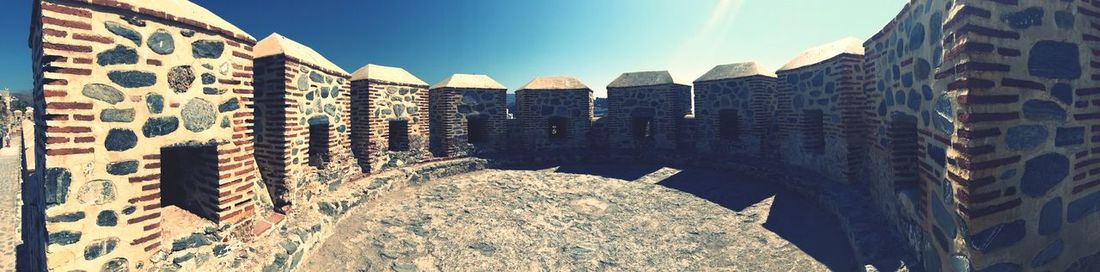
(590,218)
(9,206)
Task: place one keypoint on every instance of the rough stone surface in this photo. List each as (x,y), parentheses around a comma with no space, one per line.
(154,102)
(116,56)
(120,140)
(132,79)
(103,92)
(1043,173)
(161,42)
(122,168)
(207,49)
(198,115)
(123,31)
(531,220)
(180,78)
(117,115)
(160,126)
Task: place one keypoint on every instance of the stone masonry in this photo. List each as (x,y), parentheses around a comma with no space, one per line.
(389,118)
(468,116)
(820,94)
(119,99)
(733,110)
(554,114)
(302,124)
(645,109)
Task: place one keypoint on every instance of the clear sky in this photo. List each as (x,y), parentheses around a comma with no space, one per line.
(516,40)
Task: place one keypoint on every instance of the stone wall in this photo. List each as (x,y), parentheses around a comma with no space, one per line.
(536,110)
(119,80)
(817,116)
(375,104)
(749,102)
(292,98)
(451,112)
(645,117)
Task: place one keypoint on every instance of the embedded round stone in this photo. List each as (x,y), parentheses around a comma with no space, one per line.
(1057,60)
(160,126)
(999,236)
(1069,136)
(335,92)
(99,248)
(1048,254)
(154,102)
(107,219)
(124,31)
(1024,19)
(916,36)
(1039,110)
(922,69)
(198,115)
(122,168)
(57,182)
(229,105)
(316,77)
(117,115)
(180,78)
(944,218)
(103,92)
(1025,137)
(116,265)
(1050,217)
(1063,92)
(1064,19)
(120,139)
(208,78)
(914,100)
(63,237)
(944,118)
(132,79)
(207,49)
(161,42)
(118,55)
(303,83)
(1043,173)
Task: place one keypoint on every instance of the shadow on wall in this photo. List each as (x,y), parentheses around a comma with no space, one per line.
(795,219)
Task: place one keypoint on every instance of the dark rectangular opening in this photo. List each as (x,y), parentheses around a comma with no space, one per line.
(318,145)
(189,179)
(477,130)
(904,149)
(641,127)
(558,128)
(399,135)
(813,131)
(728,125)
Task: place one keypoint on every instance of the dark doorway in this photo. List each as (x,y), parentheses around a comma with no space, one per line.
(728,125)
(813,131)
(642,127)
(189,179)
(904,150)
(558,128)
(477,129)
(399,135)
(319,154)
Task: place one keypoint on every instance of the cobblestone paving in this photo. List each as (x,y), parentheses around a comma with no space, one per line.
(9,206)
(512,220)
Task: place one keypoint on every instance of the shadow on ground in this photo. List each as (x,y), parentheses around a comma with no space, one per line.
(796,219)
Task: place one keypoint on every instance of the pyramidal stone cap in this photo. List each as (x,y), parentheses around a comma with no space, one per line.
(178,8)
(555,83)
(276,44)
(735,70)
(825,52)
(386,74)
(465,81)
(640,79)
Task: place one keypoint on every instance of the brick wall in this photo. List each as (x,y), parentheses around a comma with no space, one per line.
(374,104)
(452,108)
(117,82)
(818,121)
(748,100)
(291,96)
(661,105)
(536,108)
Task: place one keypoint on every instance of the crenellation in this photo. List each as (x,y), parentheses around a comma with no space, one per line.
(160,132)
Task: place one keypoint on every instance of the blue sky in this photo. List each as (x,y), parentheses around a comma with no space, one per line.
(514,41)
